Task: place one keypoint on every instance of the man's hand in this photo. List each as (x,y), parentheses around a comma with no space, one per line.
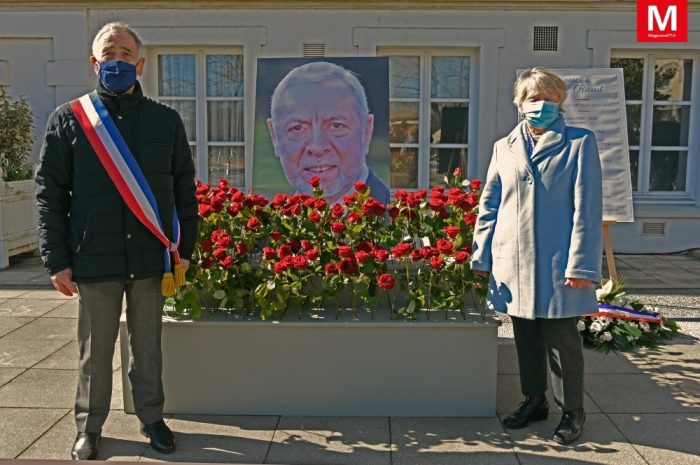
(577,283)
(63,282)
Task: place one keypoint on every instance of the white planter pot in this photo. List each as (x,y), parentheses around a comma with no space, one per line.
(336,368)
(19,230)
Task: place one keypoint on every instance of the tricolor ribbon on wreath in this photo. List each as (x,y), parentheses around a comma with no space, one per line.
(623,313)
(126,174)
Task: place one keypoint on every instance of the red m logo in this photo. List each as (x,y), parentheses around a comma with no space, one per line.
(662,20)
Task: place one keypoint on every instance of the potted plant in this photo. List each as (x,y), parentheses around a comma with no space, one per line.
(18,220)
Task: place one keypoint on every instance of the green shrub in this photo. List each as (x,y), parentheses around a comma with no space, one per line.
(16,123)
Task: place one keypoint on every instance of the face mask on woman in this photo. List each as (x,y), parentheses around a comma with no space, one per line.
(117,76)
(540,114)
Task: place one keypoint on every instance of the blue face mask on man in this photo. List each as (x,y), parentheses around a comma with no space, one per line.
(540,114)
(117,76)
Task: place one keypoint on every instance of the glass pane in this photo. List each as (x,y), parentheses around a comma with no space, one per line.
(672,79)
(403,122)
(188,113)
(444,161)
(449,123)
(403,167)
(224,76)
(225,121)
(671,124)
(404,77)
(176,75)
(634,168)
(668,170)
(633,71)
(227,163)
(450,77)
(634,123)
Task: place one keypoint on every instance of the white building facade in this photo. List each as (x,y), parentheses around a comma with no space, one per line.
(452,67)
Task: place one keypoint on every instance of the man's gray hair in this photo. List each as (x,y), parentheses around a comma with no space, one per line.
(322,71)
(116,26)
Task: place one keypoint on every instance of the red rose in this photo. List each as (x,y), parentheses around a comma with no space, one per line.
(233,209)
(362,256)
(436,204)
(360,186)
(223,183)
(470,218)
(320,204)
(451,231)
(461,257)
(300,262)
(365,246)
(312,254)
(436,262)
(315,181)
(457,172)
(224,241)
(426,252)
(269,253)
(279,267)
(310,202)
(337,227)
(475,184)
(354,218)
(284,251)
(206,245)
(445,246)
(295,244)
(241,248)
(217,205)
(394,212)
(202,189)
(401,250)
(344,251)
(337,211)
(315,216)
(205,210)
(416,255)
(220,253)
(227,262)
(206,263)
(348,266)
(385,281)
(306,245)
(276,235)
(331,268)
(253,223)
(237,196)
(401,195)
(381,255)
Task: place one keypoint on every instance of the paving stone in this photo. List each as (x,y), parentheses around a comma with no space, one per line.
(66,310)
(600,442)
(662,439)
(641,393)
(508,397)
(10,293)
(56,443)
(11,323)
(25,353)
(597,362)
(47,328)
(7,374)
(25,425)
(49,293)
(438,441)
(507,360)
(336,440)
(117,402)
(66,358)
(28,307)
(40,388)
(219,438)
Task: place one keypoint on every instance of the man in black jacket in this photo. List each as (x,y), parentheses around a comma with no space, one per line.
(93,245)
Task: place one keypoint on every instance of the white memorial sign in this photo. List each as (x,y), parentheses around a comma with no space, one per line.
(596,101)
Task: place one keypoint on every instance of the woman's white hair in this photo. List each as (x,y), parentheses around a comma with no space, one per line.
(536,80)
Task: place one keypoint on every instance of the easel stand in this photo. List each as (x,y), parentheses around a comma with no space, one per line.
(607,245)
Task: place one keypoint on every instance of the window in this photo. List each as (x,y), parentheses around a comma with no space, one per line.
(206,88)
(659,100)
(429,96)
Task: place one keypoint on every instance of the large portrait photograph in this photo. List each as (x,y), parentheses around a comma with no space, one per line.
(324,117)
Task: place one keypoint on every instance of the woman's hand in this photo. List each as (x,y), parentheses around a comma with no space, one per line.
(577,283)
(483,274)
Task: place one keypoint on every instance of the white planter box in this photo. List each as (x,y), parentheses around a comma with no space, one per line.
(328,368)
(19,231)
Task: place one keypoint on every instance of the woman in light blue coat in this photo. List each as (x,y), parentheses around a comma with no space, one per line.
(539,239)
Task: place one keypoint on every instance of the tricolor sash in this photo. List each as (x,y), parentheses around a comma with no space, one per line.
(126,174)
(623,313)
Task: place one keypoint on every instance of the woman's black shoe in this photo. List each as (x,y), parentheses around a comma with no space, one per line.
(570,426)
(526,414)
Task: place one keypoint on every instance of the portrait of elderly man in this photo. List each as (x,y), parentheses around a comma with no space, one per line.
(320,125)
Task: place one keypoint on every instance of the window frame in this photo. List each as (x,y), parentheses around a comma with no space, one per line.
(642,194)
(424,144)
(201,142)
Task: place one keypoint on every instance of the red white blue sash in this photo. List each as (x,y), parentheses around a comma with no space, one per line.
(623,313)
(124,170)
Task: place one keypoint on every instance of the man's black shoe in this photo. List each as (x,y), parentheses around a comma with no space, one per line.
(162,439)
(85,446)
(570,426)
(525,414)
